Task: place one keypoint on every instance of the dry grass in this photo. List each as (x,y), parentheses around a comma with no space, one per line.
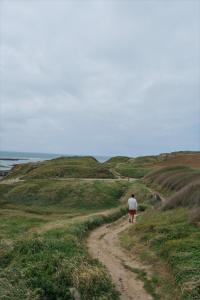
(173,178)
(182,159)
(187,196)
(194,216)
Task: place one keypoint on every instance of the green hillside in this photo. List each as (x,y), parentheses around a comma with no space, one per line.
(66,195)
(45,218)
(140,166)
(117,159)
(168,236)
(63,167)
(181,184)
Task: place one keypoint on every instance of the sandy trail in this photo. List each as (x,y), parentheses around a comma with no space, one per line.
(103,244)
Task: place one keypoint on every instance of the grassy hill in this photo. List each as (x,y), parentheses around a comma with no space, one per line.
(116,159)
(44,219)
(62,167)
(43,225)
(59,196)
(168,236)
(180,183)
(140,166)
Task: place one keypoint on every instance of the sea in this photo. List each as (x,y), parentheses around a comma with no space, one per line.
(9,159)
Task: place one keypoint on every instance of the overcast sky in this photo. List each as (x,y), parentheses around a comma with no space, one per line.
(100,77)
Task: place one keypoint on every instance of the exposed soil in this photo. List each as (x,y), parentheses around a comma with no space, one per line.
(103,244)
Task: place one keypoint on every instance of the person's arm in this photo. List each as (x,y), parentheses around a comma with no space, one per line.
(136,205)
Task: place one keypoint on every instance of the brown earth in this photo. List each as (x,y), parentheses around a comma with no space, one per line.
(103,244)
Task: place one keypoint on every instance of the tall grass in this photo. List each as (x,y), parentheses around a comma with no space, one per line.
(187,196)
(173,178)
(182,183)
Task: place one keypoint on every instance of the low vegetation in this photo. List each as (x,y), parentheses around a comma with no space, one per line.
(43,224)
(188,196)
(45,218)
(143,165)
(62,167)
(181,184)
(129,170)
(68,195)
(146,198)
(116,160)
(173,178)
(168,238)
(49,265)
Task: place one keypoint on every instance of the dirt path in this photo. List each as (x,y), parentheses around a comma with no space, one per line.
(103,244)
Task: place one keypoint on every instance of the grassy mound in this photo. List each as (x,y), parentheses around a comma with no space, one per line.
(180,183)
(128,170)
(187,196)
(173,178)
(63,167)
(140,166)
(43,226)
(117,159)
(182,158)
(67,195)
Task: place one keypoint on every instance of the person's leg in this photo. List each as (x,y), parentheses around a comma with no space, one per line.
(134,217)
(129,217)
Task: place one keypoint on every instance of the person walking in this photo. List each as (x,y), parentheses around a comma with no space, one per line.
(132,208)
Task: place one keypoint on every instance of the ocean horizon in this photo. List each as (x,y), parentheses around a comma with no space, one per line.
(10,158)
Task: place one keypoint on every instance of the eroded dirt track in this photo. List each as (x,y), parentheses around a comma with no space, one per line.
(103,244)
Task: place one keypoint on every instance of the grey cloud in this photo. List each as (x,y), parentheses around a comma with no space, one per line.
(100,77)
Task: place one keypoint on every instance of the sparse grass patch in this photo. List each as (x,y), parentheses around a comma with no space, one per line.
(150,284)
